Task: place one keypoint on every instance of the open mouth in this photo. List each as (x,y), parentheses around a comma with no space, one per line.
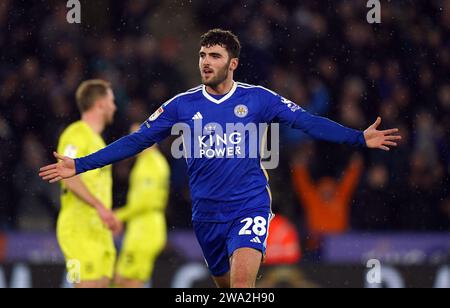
(207,71)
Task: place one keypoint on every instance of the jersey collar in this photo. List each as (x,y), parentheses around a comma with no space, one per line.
(218,101)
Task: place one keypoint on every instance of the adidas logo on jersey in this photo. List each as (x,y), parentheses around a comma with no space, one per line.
(255,240)
(197,116)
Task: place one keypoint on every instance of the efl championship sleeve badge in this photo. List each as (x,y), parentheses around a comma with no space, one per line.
(156,114)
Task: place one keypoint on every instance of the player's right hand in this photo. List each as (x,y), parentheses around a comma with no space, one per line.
(109,219)
(64,169)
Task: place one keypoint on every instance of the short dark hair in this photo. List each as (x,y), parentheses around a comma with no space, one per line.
(223,38)
(89,91)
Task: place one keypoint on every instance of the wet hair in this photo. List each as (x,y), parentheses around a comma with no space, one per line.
(223,38)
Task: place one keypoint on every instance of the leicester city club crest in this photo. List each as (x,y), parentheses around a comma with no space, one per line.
(241,111)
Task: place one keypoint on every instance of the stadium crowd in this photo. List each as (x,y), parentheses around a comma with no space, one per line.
(323,55)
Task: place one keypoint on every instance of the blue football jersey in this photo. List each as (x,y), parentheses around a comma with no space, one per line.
(222,141)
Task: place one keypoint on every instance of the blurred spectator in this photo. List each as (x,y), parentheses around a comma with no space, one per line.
(445,208)
(420,207)
(327,202)
(36,210)
(373,207)
(283,244)
(7,214)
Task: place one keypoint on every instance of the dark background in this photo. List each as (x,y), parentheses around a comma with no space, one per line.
(321,54)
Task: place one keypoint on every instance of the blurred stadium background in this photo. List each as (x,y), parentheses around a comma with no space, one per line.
(394,207)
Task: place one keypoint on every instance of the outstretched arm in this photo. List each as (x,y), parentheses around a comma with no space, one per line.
(284,111)
(325,129)
(155,129)
(303,184)
(350,180)
(123,148)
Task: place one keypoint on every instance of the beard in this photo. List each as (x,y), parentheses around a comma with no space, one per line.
(220,77)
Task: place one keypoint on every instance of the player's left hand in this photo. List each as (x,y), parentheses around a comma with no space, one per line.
(118,228)
(381,139)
